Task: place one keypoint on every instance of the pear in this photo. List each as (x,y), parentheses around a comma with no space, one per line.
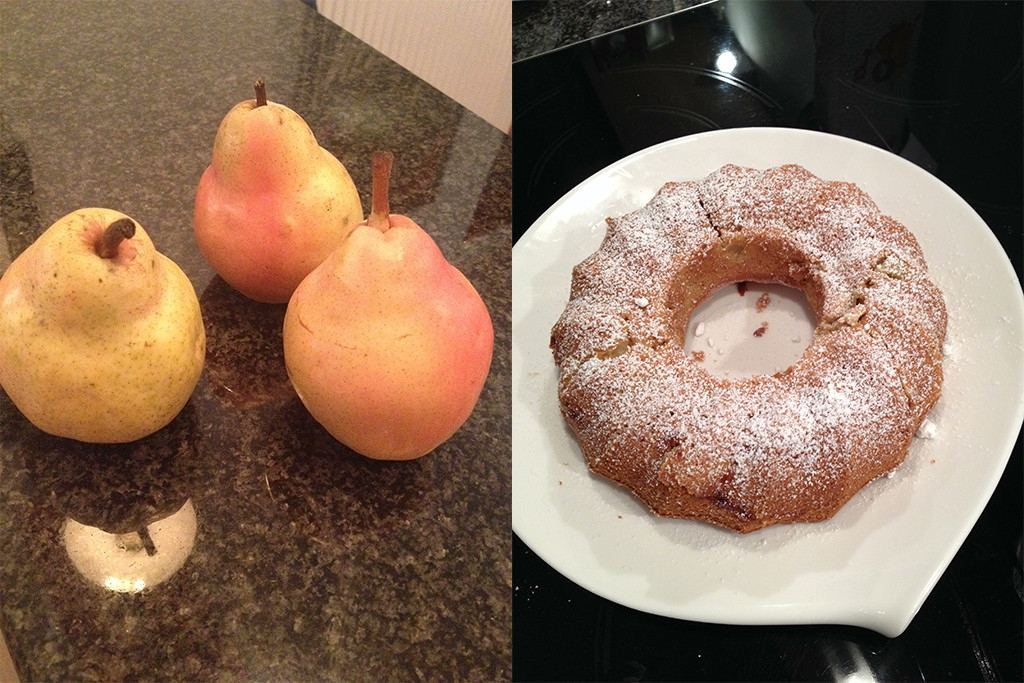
(101,337)
(274,203)
(386,343)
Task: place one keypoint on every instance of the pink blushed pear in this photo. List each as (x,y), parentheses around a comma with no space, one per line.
(386,343)
(273,203)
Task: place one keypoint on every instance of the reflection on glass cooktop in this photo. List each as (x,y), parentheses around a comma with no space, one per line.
(906,76)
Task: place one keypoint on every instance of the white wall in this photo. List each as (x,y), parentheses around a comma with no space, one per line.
(461,47)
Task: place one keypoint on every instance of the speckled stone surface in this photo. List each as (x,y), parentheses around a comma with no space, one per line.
(288,556)
(539,26)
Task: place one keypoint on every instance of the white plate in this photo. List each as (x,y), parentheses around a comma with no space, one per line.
(875,562)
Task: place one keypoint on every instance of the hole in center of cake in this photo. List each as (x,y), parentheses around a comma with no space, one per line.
(748,329)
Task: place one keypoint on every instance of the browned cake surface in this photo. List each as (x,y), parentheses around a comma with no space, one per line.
(764,450)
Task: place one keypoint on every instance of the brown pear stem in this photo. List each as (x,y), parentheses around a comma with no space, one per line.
(261,92)
(380,214)
(147,541)
(118,231)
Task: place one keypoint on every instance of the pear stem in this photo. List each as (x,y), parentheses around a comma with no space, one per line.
(261,92)
(380,215)
(118,231)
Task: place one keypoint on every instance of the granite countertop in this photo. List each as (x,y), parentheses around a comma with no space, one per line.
(278,553)
(539,26)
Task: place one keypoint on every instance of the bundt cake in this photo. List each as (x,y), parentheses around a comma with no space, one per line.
(749,453)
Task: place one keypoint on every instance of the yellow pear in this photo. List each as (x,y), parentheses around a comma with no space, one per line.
(101,337)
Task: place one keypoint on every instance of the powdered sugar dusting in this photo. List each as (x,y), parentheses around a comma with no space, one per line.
(927,430)
(835,225)
(619,293)
(750,452)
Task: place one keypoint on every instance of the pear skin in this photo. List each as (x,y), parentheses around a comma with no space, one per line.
(273,203)
(386,343)
(101,336)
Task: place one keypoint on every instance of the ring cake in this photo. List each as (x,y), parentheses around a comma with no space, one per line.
(763,450)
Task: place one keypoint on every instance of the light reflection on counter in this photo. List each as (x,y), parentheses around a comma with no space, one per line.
(133,561)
